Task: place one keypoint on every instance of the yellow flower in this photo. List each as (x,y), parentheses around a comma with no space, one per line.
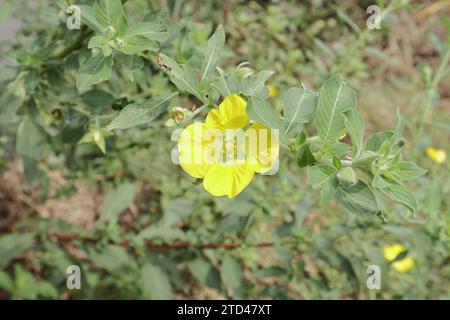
(222,153)
(404,265)
(273,91)
(392,251)
(437,155)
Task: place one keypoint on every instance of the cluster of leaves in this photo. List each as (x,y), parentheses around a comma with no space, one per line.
(358,175)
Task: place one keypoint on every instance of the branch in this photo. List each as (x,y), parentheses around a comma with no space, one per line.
(77,44)
(65,237)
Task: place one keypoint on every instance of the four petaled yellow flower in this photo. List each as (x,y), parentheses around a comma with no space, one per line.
(203,146)
(392,251)
(437,155)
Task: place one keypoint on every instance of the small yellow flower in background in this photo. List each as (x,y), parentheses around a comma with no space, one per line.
(391,252)
(200,157)
(273,91)
(437,155)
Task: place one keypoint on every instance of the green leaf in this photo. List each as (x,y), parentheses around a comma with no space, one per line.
(175,210)
(87,15)
(401,124)
(328,190)
(305,157)
(102,43)
(232,276)
(6,282)
(404,170)
(226,84)
(355,127)
(399,192)
(205,273)
(117,201)
(255,85)
(31,140)
(12,97)
(299,107)
(130,63)
(73,131)
(335,98)
(262,112)
(109,13)
(182,76)
(213,50)
(137,44)
(139,113)
(375,141)
(358,199)
(13,245)
(150,30)
(112,258)
(319,174)
(97,99)
(337,163)
(96,69)
(156,283)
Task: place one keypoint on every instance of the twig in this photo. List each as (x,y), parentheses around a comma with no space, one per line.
(77,44)
(64,237)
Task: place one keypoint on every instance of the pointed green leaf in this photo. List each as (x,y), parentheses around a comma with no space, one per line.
(96,69)
(13,245)
(327,190)
(205,273)
(117,201)
(139,113)
(261,111)
(299,106)
(319,174)
(375,141)
(399,192)
(232,276)
(404,170)
(355,127)
(156,282)
(305,157)
(31,139)
(213,51)
(137,44)
(255,85)
(182,76)
(87,15)
(335,98)
(150,30)
(109,13)
(358,199)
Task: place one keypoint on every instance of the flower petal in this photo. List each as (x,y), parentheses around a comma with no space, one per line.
(404,265)
(230,114)
(391,251)
(228,180)
(192,149)
(263,147)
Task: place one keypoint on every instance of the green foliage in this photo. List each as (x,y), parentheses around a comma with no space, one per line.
(91,104)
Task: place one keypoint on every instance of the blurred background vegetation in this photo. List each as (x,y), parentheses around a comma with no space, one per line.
(139,227)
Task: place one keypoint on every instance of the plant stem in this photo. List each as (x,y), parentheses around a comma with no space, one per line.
(440,72)
(77,44)
(175,245)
